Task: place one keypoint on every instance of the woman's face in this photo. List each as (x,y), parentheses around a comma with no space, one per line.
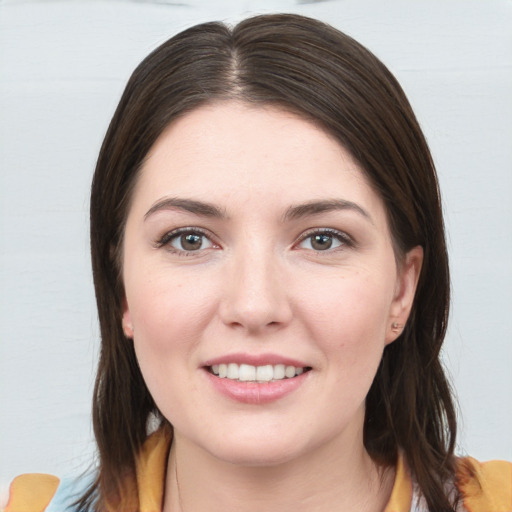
(256,248)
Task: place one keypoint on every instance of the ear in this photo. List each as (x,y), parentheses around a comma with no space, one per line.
(405,290)
(127,320)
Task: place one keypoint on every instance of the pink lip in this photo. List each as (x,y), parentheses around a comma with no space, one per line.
(255,392)
(255,360)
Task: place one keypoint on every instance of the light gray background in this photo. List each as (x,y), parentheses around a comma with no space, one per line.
(63,66)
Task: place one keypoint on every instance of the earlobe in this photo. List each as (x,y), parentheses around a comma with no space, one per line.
(127,321)
(405,291)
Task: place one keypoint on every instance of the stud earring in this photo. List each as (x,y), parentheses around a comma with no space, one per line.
(395,326)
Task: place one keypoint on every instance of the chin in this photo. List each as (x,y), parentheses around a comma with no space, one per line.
(255,452)
(255,458)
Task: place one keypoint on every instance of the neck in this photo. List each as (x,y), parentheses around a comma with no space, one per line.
(332,478)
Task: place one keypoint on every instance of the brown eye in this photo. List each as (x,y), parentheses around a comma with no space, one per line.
(324,240)
(189,241)
(321,242)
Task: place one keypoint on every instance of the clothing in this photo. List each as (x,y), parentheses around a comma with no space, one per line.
(46,493)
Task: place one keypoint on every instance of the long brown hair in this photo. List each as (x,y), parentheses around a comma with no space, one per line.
(312,69)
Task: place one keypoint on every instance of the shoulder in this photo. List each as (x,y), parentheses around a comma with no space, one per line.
(37,492)
(31,492)
(485,486)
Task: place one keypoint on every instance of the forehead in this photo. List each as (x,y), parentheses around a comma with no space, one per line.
(233,152)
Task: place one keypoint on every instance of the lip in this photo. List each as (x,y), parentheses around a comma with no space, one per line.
(256,393)
(256,360)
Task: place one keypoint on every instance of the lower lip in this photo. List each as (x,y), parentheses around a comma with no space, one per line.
(256,392)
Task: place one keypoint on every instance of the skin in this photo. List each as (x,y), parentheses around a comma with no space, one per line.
(257,281)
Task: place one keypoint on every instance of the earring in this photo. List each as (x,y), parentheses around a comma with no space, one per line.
(396,326)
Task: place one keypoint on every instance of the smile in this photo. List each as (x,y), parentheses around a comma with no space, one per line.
(250,373)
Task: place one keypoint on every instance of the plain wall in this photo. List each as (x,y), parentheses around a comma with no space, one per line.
(63,66)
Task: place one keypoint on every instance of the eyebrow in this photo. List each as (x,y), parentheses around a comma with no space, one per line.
(189,205)
(316,207)
(296,212)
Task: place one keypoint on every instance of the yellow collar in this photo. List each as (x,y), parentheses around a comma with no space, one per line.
(401,495)
(152,463)
(489,490)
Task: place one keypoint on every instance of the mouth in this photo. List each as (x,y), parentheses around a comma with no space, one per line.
(259,374)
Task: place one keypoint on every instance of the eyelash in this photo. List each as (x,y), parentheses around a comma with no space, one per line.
(165,241)
(344,239)
(167,238)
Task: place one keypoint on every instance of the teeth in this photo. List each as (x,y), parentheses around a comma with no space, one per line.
(265,373)
(249,373)
(233,371)
(289,371)
(279,372)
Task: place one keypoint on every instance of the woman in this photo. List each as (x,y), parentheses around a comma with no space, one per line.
(272,285)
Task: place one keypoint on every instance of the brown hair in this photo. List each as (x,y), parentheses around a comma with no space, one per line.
(309,68)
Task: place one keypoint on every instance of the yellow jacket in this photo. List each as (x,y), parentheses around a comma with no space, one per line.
(46,493)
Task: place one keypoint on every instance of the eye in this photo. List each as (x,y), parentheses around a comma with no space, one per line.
(324,240)
(186,240)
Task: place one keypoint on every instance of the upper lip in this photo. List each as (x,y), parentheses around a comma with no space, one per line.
(256,360)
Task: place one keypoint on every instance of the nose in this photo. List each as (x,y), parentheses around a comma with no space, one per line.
(255,298)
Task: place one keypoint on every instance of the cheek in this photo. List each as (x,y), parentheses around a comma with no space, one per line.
(169,313)
(349,309)
(169,316)
(168,301)
(349,323)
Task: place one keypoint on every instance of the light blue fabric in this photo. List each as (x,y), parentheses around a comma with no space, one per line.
(69,490)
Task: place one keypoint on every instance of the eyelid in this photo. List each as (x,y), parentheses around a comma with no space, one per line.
(164,240)
(342,236)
